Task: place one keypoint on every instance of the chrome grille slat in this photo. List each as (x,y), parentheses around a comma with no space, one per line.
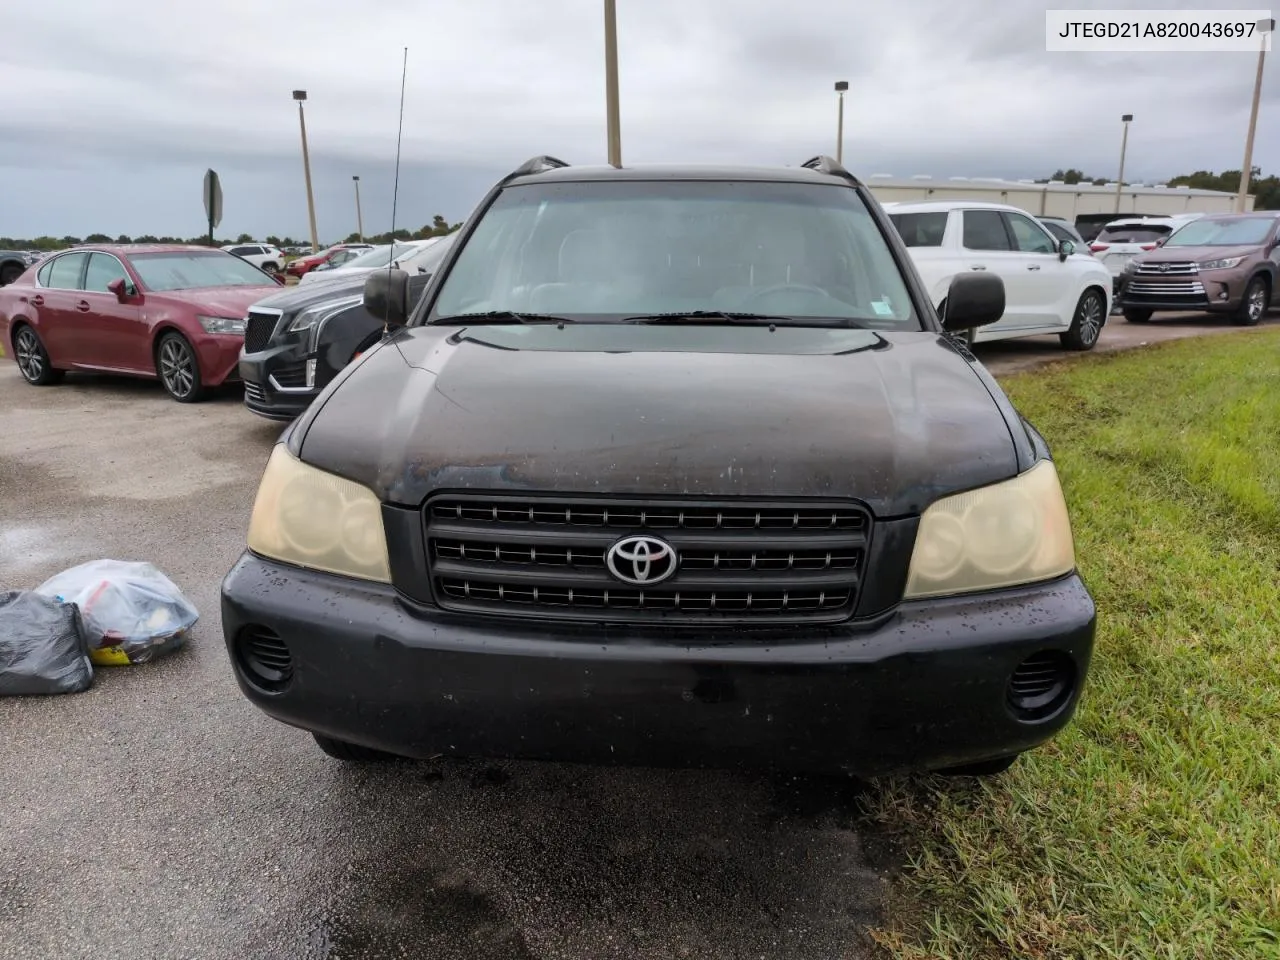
(739,562)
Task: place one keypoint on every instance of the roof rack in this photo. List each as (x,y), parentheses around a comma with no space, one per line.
(825,164)
(539,164)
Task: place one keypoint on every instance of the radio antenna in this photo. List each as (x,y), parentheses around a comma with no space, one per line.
(395,187)
(395,190)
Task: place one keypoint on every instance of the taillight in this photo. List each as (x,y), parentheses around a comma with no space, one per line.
(1149,246)
(1098,247)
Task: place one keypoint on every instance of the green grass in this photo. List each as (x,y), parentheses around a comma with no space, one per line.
(1151,826)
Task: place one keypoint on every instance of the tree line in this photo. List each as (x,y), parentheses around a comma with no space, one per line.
(1265,190)
(438,227)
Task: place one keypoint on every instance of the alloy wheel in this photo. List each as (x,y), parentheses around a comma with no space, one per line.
(1090,319)
(30,355)
(177,368)
(1257,302)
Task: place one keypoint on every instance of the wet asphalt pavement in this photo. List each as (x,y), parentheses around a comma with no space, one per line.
(159,815)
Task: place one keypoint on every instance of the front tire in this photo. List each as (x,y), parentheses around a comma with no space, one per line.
(350,752)
(33,358)
(1137,316)
(1086,325)
(1253,305)
(179,369)
(271,268)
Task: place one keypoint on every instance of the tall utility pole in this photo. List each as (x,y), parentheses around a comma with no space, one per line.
(1124,143)
(1242,198)
(359,219)
(841,87)
(301,95)
(611,81)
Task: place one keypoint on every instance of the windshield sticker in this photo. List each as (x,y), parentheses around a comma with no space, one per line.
(882,308)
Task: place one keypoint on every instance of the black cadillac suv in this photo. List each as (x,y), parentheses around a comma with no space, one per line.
(674,466)
(297,340)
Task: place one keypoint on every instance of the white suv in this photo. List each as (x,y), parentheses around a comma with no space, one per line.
(1123,239)
(1050,287)
(261,255)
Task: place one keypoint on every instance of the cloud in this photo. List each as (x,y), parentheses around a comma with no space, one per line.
(119,115)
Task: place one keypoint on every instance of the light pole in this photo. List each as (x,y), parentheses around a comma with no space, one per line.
(1264,27)
(611,81)
(1124,143)
(841,87)
(359,219)
(301,95)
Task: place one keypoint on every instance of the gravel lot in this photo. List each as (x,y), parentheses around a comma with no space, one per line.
(159,815)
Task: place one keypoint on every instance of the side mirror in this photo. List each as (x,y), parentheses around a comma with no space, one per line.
(386,296)
(121,287)
(278,278)
(973,300)
(1066,248)
(1162,241)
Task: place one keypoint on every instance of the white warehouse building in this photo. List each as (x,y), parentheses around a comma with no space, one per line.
(1055,198)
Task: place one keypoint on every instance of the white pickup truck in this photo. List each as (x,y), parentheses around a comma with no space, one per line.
(1050,286)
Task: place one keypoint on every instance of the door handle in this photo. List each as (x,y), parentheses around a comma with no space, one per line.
(38,300)
(83,306)
(1033,266)
(977,267)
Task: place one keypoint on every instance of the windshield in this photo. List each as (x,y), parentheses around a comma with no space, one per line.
(1244,232)
(380,256)
(611,250)
(189,270)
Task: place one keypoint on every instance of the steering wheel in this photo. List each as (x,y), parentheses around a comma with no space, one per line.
(780,287)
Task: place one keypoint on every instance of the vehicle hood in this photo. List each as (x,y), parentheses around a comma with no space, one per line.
(894,420)
(1183,254)
(220,301)
(323,276)
(300,296)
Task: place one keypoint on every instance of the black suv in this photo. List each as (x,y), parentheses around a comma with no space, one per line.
(297,340)
(669,465)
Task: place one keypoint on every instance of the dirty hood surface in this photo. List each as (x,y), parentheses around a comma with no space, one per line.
(893,419)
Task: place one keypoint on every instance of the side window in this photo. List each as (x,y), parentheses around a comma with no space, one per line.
(984,230)
(103,268)
(1057,230)
(240,251)
(45,271)
(921,229)
(65,274)
(1029,237)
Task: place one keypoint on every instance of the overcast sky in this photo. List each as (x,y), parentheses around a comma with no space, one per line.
(112,111)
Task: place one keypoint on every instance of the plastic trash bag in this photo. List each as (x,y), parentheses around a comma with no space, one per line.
(132,612)
(42,646)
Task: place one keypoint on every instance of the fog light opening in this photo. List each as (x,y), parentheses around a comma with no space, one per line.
(1041,685)
(264,658)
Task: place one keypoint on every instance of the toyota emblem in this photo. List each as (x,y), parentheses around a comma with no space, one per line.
(1164,268)
(641,561)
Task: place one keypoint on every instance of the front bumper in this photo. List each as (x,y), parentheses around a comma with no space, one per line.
(1208,291)
(219,356)
(271,384)
(927,688)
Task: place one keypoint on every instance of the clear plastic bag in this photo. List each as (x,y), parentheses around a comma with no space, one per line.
(132,612)
(42,646)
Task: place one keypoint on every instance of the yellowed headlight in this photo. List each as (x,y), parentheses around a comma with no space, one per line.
(311,518)
(1002,535)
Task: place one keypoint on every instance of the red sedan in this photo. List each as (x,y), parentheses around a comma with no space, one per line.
(172,312)
(336,255)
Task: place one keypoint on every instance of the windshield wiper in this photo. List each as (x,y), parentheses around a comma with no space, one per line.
(704,316)
(502,316)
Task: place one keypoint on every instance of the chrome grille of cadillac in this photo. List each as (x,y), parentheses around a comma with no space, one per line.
(671,466)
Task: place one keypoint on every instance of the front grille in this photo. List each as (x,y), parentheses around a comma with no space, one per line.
(290,375)
(258,329)
(1168,269)
(1176,288)
(253,391)
(738,561)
